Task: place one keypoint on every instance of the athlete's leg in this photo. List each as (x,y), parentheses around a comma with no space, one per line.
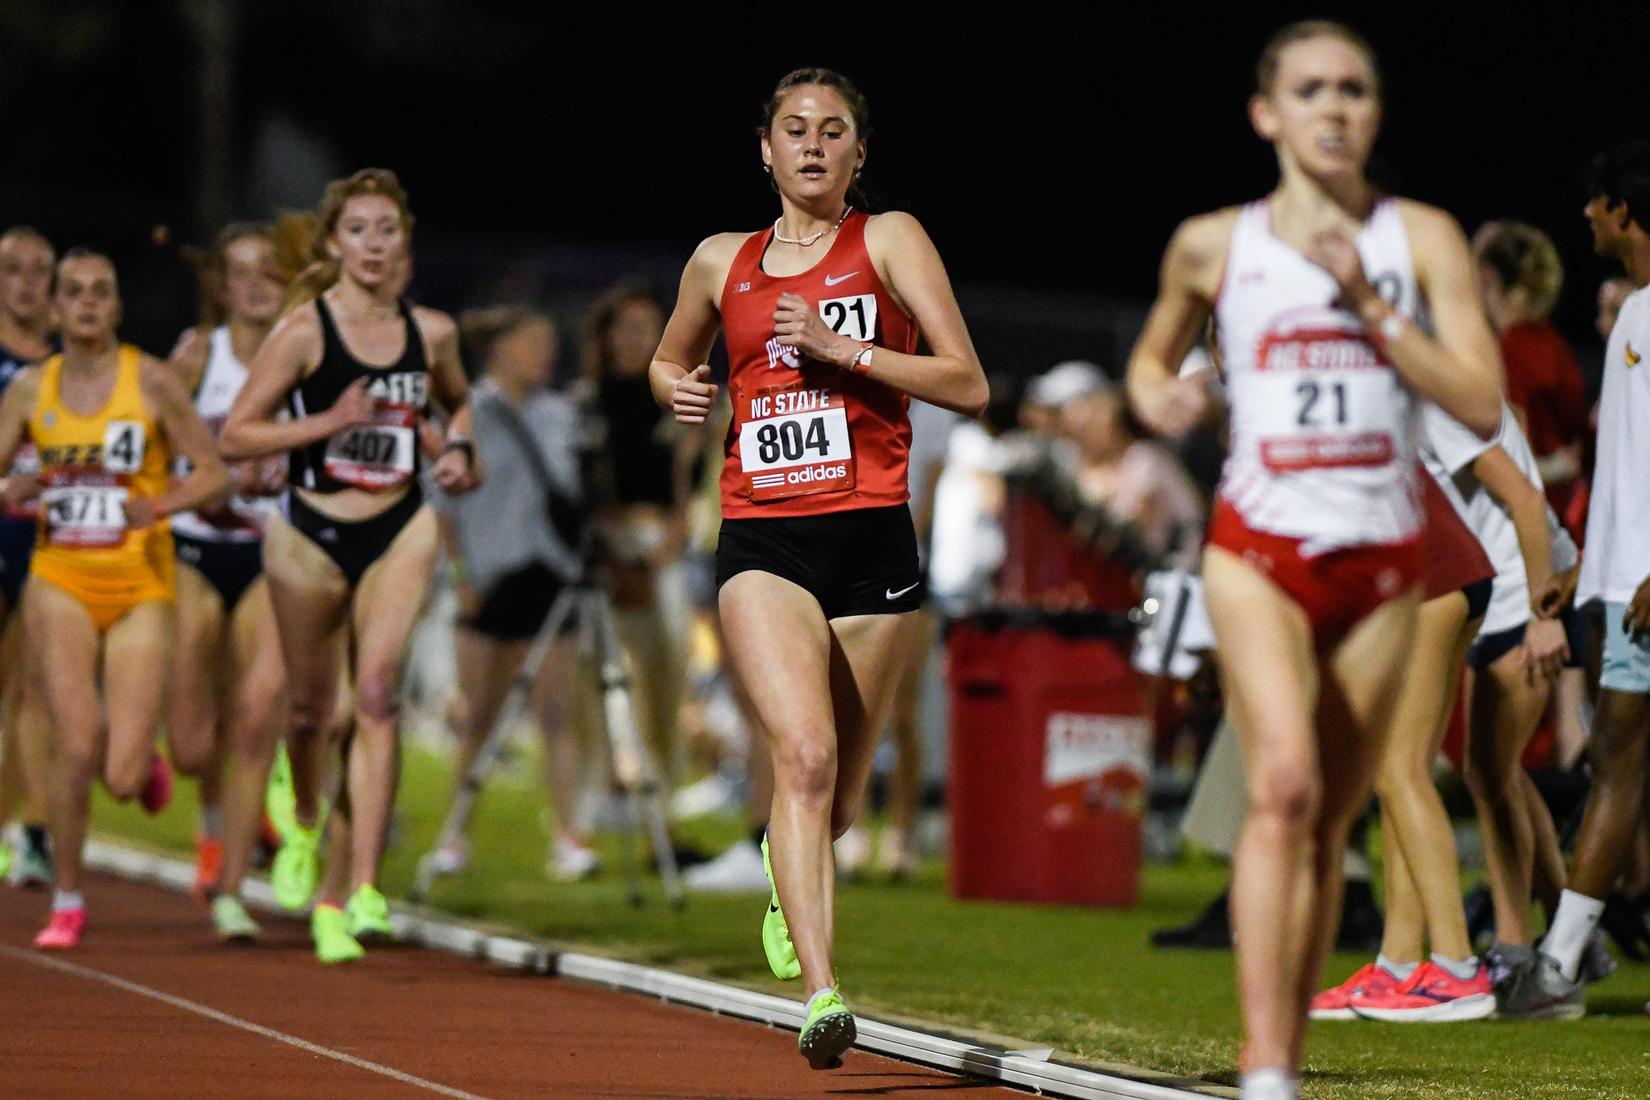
(905,781)
(1504,711)
(1412,814)
(1547,872)
(563,754)
(254,715)
(486,665)
(865,670)
(780,646)
(137,665)
(387,606)
(1621,734)
(1358,688)
(197,661)
(64,652)
(310,598)
(1271,683)
(11,690)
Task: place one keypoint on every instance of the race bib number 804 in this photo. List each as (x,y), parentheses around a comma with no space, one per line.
(795,442)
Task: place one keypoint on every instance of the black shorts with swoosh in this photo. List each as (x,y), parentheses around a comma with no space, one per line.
(857,562)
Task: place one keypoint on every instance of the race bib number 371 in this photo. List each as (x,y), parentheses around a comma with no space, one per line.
(795,442)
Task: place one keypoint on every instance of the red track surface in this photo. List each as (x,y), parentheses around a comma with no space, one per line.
(449,1026)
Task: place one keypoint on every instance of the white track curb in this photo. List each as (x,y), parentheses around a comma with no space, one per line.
(1028,1069)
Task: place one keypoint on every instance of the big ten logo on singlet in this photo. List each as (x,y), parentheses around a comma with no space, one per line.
(1327,398)
(381,454)
(854,316)
(83,500)
(794,441)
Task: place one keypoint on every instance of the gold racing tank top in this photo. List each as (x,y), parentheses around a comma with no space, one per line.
(90,466)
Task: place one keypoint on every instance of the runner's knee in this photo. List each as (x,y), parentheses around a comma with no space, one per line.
(806,768)
(1286,793)
(378,695)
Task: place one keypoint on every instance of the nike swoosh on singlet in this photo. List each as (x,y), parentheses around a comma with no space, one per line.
(1633,357)
(829,281)
(892,595)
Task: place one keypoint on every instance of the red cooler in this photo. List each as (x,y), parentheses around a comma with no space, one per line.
(1050,756)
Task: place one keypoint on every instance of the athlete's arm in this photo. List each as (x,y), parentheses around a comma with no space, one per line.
(16,406)
(678,375)
(1460,371)
(458,469)
(1187,286)
(188,358)
(1495,470)
(208,477)
(292,350)
(910,266)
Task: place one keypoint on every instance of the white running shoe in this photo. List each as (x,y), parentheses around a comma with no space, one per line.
(736,871)
(853,851)
(570,861)
(707,796)
(451,858)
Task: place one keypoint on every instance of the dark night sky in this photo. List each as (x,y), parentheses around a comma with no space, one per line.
(1038,154)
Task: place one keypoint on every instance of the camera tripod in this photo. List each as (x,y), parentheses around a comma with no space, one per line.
(634,773)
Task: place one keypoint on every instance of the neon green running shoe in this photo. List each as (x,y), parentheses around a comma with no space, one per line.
(297,866)
(829,1031)
(368,915)
(231,921)
(333,943)
(280,803)
(776,934)
(5,859)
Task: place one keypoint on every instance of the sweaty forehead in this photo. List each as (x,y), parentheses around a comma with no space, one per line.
(82,270)
(25,247)
(371,207)
(1325,56)
(814,102)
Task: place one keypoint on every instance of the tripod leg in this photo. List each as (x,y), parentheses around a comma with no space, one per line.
(509,713)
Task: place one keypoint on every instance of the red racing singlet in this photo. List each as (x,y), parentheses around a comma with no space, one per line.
(808,438)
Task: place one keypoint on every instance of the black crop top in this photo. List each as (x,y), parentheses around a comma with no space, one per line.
(377,456)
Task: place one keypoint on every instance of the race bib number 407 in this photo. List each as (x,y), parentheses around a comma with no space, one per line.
(378,455)
(795,442)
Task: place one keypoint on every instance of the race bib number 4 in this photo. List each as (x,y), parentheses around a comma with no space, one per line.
(795,442)
(84,514)
(378,455)
(1325,399)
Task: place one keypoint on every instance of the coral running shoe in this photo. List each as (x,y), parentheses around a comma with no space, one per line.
(1336,1003)
(63,931)
(208,865)
(157,788)
(1431,996)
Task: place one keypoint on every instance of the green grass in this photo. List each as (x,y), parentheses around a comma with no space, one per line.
(1080,980)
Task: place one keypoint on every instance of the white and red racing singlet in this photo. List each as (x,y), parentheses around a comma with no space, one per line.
(809,438)
(1323,430)
(243,518)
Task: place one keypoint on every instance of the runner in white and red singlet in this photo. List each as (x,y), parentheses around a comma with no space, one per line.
(1313,557)
(817,562)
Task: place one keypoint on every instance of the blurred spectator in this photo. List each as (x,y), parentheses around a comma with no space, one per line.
(642,499)
(1139,482)
(508,561)
(1519,278)
(965,545)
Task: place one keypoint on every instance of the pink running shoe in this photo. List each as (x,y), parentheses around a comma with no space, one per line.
(1336,1003)
(63,931)
(1432,995)
(157,789)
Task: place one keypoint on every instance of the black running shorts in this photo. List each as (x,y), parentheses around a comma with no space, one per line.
(858,562)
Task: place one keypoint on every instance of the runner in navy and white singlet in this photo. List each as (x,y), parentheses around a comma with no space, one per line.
(26,336)
(1316,292)
(228,680)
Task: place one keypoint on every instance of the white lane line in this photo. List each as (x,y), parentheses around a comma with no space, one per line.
(59,965)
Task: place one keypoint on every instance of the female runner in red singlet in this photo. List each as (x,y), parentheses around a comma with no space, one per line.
(1312,561)
(817,563)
